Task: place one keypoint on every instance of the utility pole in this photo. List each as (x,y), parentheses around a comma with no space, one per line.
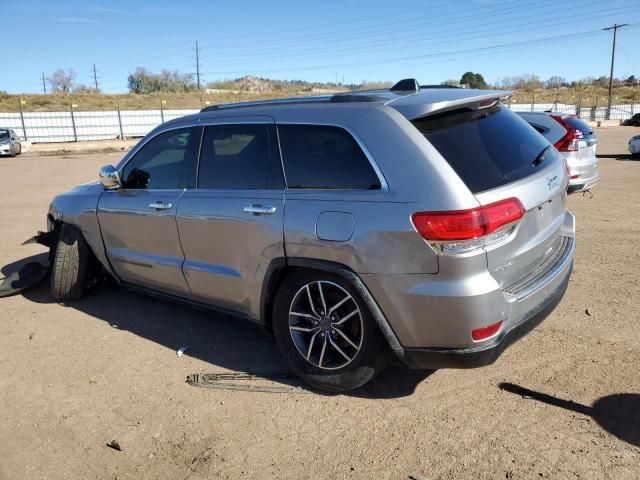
(615,28)
(44,85)
(95,77)
(198,64)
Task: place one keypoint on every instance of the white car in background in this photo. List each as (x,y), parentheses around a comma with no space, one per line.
(9,142)
(634,145)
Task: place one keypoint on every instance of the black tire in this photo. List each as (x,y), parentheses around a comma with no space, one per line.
(370,359)
(19,149)
(12,154)
(70,271)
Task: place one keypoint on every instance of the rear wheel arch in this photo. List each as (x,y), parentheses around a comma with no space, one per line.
(280,269)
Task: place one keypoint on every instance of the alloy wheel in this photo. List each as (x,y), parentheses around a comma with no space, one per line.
(326,325)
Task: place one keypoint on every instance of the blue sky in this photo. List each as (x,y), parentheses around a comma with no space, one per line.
(353,40)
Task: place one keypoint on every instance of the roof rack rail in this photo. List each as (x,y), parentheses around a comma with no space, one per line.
(439,86)
(406,85)
(275,101)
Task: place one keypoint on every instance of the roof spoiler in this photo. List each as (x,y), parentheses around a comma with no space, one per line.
(406,85)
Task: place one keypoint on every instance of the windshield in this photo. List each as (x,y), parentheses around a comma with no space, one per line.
(487,148)
(4,134)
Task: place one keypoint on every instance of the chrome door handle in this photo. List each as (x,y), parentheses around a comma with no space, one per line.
(259,210)
(160,205)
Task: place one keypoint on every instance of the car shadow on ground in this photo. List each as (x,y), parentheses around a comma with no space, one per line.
(622,157)
(618,414)
(224,341)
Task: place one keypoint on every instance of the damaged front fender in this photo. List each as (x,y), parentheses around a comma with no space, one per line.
(48,239)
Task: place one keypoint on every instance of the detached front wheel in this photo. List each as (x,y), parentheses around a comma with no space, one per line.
(326,332)
(70,271)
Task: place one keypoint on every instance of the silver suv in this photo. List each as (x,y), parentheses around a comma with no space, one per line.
(429,224)
(575,141)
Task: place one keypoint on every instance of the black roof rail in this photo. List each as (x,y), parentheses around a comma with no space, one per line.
(439,86)
(259,103)
(406,85)
(354,97)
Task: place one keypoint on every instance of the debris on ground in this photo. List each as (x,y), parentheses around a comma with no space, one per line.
(28,276)
(235,381)
(115,445)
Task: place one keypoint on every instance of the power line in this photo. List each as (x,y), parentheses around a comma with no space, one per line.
(438,54)
(615,28)
(424,41)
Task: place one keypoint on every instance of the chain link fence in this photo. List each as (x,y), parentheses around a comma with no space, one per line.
(74,126)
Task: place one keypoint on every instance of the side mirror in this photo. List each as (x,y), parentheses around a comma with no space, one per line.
(109,177)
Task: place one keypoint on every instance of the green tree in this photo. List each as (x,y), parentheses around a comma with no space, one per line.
(474,80)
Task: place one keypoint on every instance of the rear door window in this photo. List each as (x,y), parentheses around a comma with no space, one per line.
(324,157)
(240,157)
(487,148)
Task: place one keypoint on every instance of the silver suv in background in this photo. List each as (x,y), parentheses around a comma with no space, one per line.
(575,141)
(426,223)
(9,142)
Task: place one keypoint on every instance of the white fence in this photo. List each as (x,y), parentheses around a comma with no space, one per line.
(73,126)
(39,127)
(585,112)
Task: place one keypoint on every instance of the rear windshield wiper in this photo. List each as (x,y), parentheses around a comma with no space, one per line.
(541,156)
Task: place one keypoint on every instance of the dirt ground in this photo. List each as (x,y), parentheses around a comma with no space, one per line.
(564,402)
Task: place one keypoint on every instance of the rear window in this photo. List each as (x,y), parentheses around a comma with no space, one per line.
(579,125)
(487,148)
(324,157)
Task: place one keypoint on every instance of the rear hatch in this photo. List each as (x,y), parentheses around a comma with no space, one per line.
(499,156)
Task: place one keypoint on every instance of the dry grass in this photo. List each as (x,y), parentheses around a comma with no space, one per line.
(194,100)
(92,101)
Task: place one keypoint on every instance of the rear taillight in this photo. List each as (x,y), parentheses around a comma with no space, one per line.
(570,142)
(463,230)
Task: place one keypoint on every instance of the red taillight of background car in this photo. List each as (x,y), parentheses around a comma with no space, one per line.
(467,224)
(570,141)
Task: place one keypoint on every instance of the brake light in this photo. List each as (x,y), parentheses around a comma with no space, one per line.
(483,333)
(570,142)
(462,230)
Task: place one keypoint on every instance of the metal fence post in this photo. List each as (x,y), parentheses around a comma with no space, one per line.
(24,129)
(578,107)
(73,123)
(120,124)
(533,99)
(162,111)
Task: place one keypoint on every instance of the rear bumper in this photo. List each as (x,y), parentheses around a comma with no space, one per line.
(581,184)
(433,317)
(428,358)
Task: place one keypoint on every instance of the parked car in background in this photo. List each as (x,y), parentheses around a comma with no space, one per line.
(634,145)
(9,142)
(575,141)
(429,223)
(633,121)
